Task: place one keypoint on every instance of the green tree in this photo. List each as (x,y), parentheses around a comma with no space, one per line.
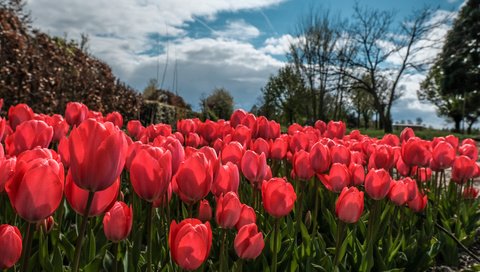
(285,96)
(453,82)
(218,105)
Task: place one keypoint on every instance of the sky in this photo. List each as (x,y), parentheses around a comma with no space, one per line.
(193,47)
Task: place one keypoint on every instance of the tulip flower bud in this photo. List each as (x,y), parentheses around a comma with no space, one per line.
(278,197)
(228,210)
(249,242)
(10,246)
(247,216)
(190,242)
(75,113)
(117,222)
(46,224)
(377,183)
(308,219)
(204,211)
(349,205)
(18,114)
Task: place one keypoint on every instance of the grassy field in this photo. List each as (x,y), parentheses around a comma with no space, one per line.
(424,134)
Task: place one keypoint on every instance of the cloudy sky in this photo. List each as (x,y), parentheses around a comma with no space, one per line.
(236,44)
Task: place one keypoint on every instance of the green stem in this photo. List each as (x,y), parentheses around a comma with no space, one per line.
(149,236)
(28,246)
(339,241)
(315,210)
(275,250)
(81,234)
(223,259)
(240,265)
(367,261)
(115,256)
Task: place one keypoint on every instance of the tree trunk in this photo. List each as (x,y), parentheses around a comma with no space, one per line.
(388,128)
(457,125)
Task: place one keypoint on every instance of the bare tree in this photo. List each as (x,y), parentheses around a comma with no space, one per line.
(386,53)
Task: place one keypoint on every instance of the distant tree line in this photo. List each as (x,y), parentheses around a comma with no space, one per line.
(348,69)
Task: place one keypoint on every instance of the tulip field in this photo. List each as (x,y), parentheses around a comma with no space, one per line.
(83,192)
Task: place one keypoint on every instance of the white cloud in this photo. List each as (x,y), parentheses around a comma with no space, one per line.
(239,30)
(278,46)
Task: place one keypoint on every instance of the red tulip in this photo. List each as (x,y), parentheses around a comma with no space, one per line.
(193,179)
(36,188)
(419,203)
(176,149)
(406,134)
(301,166)
(254,167)
(278,197)
(340,154)
(391,140)
(75,113)
(335,130)
(349,205)
(237,117)
(299,141)
(153,131)
(59,125)
(278,148)
(452,140)
(10,246)
(117,222)
(399,192)
(19,114)
(249,120)
(469,150)
(261,146)
(135,128)
(249,242)
(151,172)
(242,134)
(190,242)
(423,174)
(337,179)
(186,126)
(7,169)
(102,200)
(232,152)
(247,216)
(463,169)
(97,154)
(357,174)
(64,151)
(116,118)
(192,139)
(377,183)
(165,199)
(402,168)
(321,126)
(204,211)
(228,210)
(415,152)
(226,179)
(320,159)
(28,135)
(382,157)
(3,127)
(443,156)
(96,115)
(209,130)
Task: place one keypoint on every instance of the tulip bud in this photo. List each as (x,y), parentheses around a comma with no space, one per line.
(308,219)
(46,224)
(204,211)
(190,242)
(320,159)
(278,197)
(247,216)
(377,183)
(301,166)
(10,246)
(228,210)
(249,242)
(117,222)
(349,205)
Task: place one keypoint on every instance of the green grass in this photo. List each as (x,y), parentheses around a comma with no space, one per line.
(427,134)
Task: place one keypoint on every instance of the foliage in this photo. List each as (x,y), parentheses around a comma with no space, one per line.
(48,72)
(218,105)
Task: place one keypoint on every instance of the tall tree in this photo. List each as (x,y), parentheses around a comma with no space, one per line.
(386,53)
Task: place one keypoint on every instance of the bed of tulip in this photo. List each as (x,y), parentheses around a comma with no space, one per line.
(78,193)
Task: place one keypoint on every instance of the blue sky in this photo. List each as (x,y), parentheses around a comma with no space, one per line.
(212,43)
